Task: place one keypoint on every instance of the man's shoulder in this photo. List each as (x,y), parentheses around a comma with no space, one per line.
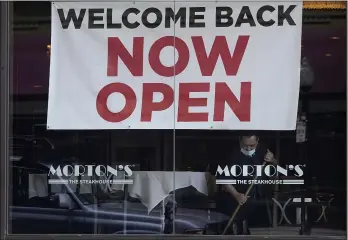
(226,159)
(234,154)
(260,154)
(261,151)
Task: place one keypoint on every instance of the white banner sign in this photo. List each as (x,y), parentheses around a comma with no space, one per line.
(183,65)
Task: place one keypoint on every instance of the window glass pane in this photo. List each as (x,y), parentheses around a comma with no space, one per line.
(167,175)
(57,176)
(301,193)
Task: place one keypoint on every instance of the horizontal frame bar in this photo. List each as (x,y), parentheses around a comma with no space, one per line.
(153,237)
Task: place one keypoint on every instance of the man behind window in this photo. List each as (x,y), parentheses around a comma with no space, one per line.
(229,196)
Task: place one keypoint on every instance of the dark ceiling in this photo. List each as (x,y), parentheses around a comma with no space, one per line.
(324,43)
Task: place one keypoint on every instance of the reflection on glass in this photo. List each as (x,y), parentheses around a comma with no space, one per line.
(155,197)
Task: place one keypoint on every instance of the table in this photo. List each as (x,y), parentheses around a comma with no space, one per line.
(153,187)
(298,200)
(324,208)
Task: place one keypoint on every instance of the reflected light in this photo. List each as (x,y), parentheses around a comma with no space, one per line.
(37,86)
(334,38)
(329,5)
(48,50)
(328,55)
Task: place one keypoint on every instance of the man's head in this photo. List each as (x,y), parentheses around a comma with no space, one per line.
(248,143)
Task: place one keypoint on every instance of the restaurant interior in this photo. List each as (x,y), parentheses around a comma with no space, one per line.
(322,100)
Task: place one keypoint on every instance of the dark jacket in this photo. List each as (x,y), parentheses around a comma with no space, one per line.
(238,158)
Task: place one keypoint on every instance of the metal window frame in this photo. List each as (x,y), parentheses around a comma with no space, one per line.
(5,74)
(5,68)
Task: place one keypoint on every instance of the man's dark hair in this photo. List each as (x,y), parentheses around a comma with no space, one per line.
(248,134)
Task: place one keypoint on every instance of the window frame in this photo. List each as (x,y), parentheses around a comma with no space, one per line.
(6,12)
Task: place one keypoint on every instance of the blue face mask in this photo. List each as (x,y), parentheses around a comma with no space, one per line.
(249,153)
